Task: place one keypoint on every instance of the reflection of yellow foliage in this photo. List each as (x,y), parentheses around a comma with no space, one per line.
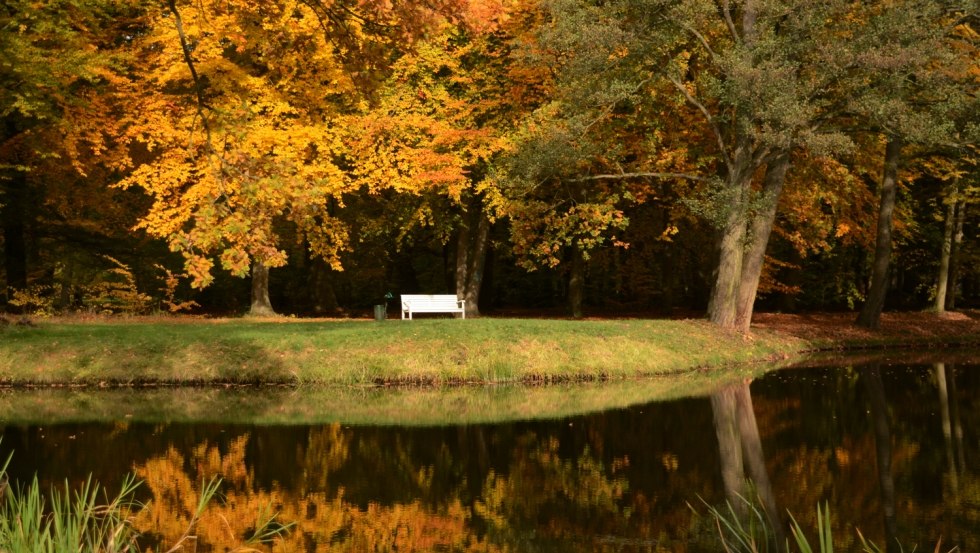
(322,523)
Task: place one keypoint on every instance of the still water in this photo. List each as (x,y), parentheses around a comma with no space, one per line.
(893,447)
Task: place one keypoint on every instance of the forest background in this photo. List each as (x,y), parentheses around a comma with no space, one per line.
(562,156)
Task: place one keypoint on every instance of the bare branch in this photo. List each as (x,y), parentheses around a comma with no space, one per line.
(723,150)
(701,39)
(198,86)
(727,12)
(656,175)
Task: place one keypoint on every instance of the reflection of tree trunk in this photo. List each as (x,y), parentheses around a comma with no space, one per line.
(870,315)
(883,449)
(947,426)
(261,305)
(760,227)
(471,256)
(954,256)
(576,282)
(748,428)
(723,407)
(944,254)
(954,414)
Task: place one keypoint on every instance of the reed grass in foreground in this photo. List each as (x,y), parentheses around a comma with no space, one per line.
(752,532)
(89,520)
(432,351)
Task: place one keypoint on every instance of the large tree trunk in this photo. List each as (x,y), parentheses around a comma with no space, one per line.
(947,248)
(731,246)
(870,315)
(261,305)
(471,256)
(759,232)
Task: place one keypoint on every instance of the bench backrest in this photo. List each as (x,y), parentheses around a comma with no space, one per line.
(422,302)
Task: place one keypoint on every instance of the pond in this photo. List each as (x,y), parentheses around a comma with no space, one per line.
(891,446)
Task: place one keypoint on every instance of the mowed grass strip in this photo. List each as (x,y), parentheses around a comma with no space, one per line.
(428,351)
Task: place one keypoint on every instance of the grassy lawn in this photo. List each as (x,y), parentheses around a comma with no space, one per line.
(431,351)
(331,370)
(186,351)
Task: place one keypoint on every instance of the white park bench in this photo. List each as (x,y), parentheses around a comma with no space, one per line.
(432,303)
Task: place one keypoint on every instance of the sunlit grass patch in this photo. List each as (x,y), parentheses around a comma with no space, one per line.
(430,351)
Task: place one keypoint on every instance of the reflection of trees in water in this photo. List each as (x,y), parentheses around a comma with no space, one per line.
(871,376)
(826,432)
(543,496)
(326,522)
(739,445)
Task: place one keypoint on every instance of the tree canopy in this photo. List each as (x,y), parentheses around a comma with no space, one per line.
(624,156)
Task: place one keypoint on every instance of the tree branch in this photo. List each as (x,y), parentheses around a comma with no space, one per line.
(701,39)
(727,12)
(620,176)
(723,150)
(198,86)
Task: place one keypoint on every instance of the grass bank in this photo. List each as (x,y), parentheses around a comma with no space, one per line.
(432,351)
(182,351)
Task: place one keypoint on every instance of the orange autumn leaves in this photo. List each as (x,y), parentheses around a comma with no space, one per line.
(265,122)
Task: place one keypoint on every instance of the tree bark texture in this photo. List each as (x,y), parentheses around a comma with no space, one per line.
(261,305)
(731,247)
(760,228)
(870,316)
(471,256)
(954,257)
(944,254)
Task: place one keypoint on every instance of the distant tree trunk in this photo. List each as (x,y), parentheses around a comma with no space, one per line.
(576,282)
(759,231)
(261,305)
(321,289)
(870,316)
(954,257)
(471,256)
(14,215)
(883,448)
(947,248)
